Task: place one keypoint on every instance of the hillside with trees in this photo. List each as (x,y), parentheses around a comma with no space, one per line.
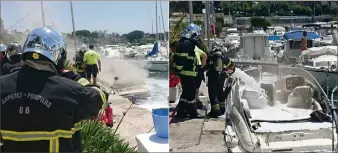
(100,37)
(261,8)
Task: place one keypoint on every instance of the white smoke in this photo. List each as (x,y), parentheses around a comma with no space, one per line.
(129,72)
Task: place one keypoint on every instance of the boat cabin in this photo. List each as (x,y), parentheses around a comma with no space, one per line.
(254,44)
(321,62)
(292,45)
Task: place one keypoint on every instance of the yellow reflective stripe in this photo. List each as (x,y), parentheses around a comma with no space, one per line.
(54,145)
(228,63)
(182,54)
(77,127)
(186,55)
(83,81)
(178,67)
(35,135)
(216,107)
(188,73)
(103,97)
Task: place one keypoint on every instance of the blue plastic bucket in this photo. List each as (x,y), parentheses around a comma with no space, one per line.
(161,122)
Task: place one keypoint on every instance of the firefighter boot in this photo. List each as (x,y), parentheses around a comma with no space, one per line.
(181,110)
(215,111)
(193,113)
(222,107)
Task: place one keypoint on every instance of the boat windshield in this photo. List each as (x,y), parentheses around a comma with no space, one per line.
(325,63)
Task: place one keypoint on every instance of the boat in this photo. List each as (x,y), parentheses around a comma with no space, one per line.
(127,90)
(279,117)
(275,30)
(321,62)
(292,45)
(157,63)
(255,46)
(112,51)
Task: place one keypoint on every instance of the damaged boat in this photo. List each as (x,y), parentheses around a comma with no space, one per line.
(290,113)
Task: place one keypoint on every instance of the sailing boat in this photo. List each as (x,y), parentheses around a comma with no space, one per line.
(156,63)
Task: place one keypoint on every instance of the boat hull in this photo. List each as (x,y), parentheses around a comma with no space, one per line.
(322,77)
(161,66)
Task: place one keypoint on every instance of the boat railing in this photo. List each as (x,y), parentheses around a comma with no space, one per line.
(334,117)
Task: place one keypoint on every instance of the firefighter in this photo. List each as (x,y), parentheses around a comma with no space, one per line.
(14,56)
(201,62)
(91,60)
(79,62)
(218,69)
(42,104)
(185,66)
(3,58)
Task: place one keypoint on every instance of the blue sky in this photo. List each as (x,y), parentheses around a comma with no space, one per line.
(114,16)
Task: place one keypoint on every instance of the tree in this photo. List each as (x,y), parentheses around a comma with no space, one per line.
(135,36)
(259,22)
(199,23)
(3,33)
(219,25)
(84,34)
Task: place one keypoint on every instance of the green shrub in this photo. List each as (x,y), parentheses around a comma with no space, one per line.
(96,137)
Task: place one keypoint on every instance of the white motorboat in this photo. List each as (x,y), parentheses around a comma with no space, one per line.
(158,65)
(292,45)
(112,51)
(255,46)
(137,90)
(321,62)
(281,119)
(156,60)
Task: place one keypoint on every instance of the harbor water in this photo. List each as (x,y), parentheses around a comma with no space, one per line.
(157,82)
(130,74)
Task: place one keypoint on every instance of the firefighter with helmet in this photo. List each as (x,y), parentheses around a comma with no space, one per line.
(42,103)
(3,58)
(185,62)
(80,67)
(219,68)
(14,59)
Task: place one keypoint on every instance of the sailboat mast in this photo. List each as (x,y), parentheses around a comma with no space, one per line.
(152,26)
(0,24)
(42,14)
(164,33)
(157,34)
(159,25)
(74,35)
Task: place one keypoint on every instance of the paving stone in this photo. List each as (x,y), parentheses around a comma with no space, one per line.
(185,134)
(214,126)
(215,139)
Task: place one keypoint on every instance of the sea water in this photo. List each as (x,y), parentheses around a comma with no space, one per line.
(158,85)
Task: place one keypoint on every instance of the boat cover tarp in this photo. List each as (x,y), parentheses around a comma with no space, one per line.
(154,51)
(271,38)
(299,34)
(319,51)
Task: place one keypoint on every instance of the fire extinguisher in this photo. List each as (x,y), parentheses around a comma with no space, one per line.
(109,116)
(212,29)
